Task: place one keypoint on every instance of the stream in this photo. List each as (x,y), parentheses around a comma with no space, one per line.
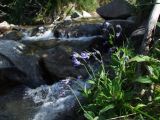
(38,79)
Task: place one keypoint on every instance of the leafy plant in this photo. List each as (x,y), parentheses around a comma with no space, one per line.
(110,96)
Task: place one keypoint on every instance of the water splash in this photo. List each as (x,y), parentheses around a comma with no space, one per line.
(41,36)
(57,101)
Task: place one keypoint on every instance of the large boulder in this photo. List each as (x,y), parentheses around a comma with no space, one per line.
(15,66)
(127,26)
(120,28)
(54,102)
(117,9)
(137,36)
(58,63)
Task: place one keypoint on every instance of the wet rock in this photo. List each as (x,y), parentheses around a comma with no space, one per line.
(38,30)
(134,19)
(137,37)
(121,28)
(12,35)
(14,107)
(15,66)
(127,26)
(79,30)
(117,9)
(57,61)
(4,26)
(54,102)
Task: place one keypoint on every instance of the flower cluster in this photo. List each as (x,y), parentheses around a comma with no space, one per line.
(118,30)
(75,57)
(109,28)
(84,56)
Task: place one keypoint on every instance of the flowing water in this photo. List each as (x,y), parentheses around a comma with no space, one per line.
(47,102)
(54,102)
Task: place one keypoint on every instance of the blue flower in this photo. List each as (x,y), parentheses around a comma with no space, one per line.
(119,30)
(85,55)
(106,26)
(76,62)
(75,55)
(79,77)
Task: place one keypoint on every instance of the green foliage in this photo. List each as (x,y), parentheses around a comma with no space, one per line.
(110,97)
(89,5)
(27,11)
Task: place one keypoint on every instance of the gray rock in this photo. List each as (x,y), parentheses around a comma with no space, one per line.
(137,37)
(115,10)
(54,102)
(16,66)
(127,26)
(57,61)
(38,30)
(12,35)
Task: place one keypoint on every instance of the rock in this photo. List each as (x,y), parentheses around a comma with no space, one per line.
(12,35)
(127,27)
(86,14)
(133,19)
(54,102)
(4,26)
(137,37)
(117,9)
(38,30)
(57,61)
(76,14)
(84,30)
(121,28)
(15,66)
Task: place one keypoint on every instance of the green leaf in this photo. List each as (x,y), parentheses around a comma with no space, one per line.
(108,107)
(96,118)
(157,98)
(144,80)
(91,81)
(142,58)
(89,115)
(152,72)
(139,106)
